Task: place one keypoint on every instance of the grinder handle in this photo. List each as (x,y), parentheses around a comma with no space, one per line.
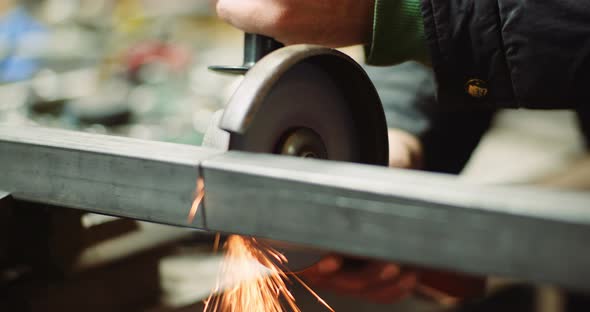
(258,46)
(255,48)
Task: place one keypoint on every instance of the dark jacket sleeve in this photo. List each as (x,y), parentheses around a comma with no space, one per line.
(584,121)
(448,136)
(510,53)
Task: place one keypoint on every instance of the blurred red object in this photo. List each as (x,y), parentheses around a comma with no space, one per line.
(175,57)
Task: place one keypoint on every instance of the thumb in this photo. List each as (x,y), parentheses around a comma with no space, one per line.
(405,150)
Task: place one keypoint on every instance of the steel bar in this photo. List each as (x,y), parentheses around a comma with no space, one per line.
(413,217)
(144,180)
(407,216)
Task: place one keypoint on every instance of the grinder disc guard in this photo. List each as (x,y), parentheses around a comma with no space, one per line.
(306,101)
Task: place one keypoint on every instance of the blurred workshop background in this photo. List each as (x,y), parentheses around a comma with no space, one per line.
(139,69)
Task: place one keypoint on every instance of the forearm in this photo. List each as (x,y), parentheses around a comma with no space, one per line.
(397,33)
(333,23)
(456,285)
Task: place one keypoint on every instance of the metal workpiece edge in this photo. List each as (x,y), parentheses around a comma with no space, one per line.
(413,217)
(408,216)
(144,180)
(4,195)
(106,144)
(5,199)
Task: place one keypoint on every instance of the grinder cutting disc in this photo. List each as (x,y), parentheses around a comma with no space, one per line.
(306,101)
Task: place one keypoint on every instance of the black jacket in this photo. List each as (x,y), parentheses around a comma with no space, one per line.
(448,136)
(510,53)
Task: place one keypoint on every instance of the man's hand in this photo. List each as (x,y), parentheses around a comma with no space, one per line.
(387,282)
(405,150)
(377,281)
(333,23)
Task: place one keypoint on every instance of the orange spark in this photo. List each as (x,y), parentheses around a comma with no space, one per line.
(253,277)
(197,202)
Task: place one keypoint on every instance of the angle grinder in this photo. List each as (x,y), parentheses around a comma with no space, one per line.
(304,101)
